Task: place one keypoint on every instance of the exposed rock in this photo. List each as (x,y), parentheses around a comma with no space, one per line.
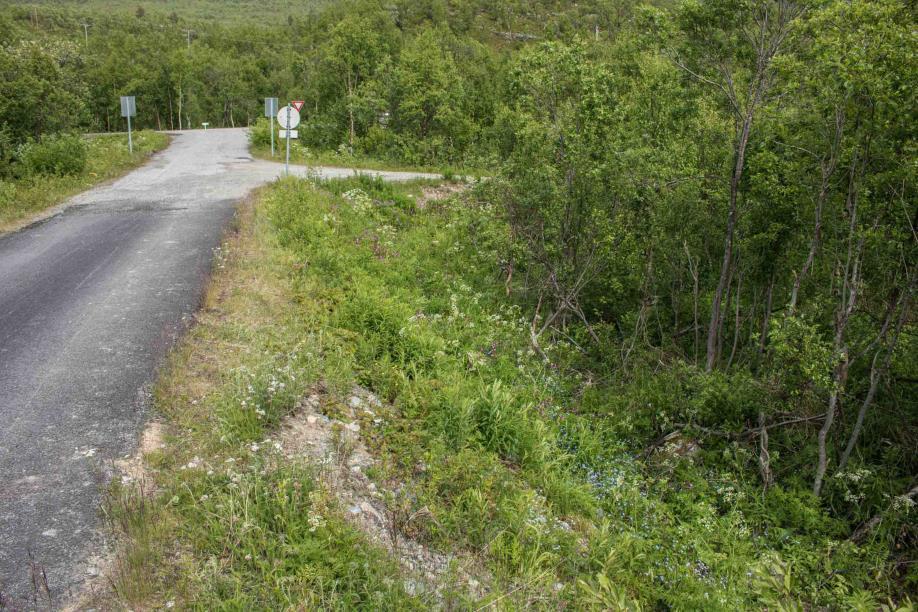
(311,435)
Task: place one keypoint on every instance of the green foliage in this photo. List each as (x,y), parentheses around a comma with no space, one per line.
(507,429)
(7,152)
(41,91)
(543,341)
(803,358)
(260,133)
(429,99)
(488,452)
(54,156)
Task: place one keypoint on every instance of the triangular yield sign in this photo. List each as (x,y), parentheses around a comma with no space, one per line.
(298,105)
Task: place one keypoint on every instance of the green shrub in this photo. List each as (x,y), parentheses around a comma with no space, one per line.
(508,429)
(260,133)
(54,156)
(7,151)
(379,142)
(549,473)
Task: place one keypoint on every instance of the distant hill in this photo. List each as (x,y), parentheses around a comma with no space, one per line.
(268,12)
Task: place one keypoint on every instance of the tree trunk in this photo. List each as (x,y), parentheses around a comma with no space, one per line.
(849,295)
(727,297)
(181,99)
(693,269)
(840,376)
(736,322)
(350,111)
(768,478)
(726,264)
(827,169)
(763,340)
(876,373)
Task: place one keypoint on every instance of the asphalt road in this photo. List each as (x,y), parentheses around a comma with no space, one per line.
(90,301)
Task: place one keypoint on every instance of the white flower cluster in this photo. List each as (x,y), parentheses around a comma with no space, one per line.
(359,199)
(220,257)
(538,517)
(903,503)
(727,491)
(854,481)
(277,383)
(386,235)
(315,518)
(854,477)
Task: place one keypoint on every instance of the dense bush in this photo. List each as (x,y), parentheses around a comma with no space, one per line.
(260,133)
(54,155)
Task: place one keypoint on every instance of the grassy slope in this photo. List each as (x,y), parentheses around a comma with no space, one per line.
(107,158)
(230,526)
(492,452)
(302,156)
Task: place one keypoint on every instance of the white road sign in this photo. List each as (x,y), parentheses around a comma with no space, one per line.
(128,106)
(270,107)
(288,134)
(294,117)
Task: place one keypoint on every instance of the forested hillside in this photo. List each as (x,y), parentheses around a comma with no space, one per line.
(700,218)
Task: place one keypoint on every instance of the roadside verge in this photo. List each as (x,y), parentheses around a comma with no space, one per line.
(31,199)
(259,490)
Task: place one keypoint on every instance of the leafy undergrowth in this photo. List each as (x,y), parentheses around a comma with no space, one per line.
(495,453)
(107,157)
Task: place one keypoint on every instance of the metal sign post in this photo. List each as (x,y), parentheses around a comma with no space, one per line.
(270,111)
(129,109)
(288,118)
(287,163)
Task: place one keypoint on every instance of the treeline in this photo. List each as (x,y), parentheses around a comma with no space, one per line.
(414,81)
